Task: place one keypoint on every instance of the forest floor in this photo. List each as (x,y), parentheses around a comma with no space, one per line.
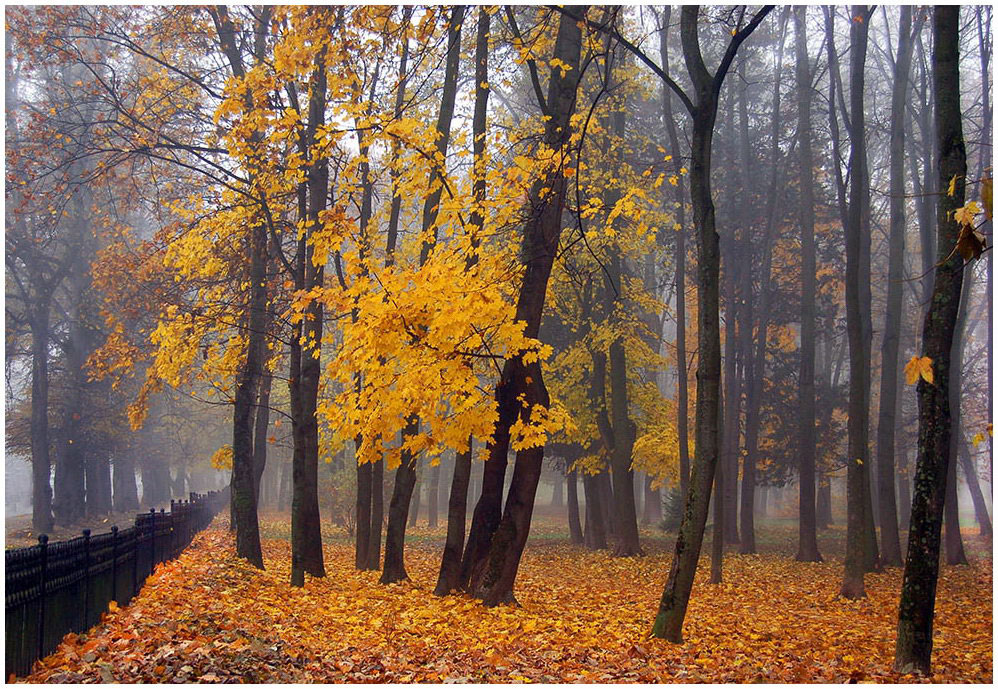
(585,617)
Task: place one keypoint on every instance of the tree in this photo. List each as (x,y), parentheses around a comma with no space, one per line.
(913,651)
(890,348)
(857,315)
(807,547)
(703,111)
(495,544)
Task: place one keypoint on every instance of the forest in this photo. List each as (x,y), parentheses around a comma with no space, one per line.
(530,343)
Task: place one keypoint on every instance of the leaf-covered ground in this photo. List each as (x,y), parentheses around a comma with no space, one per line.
(584,618)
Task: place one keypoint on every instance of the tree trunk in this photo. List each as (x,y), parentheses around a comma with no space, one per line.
(653,503)
(405,476)
(557,492)
(859,363)
(807,542)
(449,577)
(913,651)
(595,534)
(890,359)
(675,596)
(980,505)
(431,499)
(126,491)
(98,476)
(398,509)
(717,536)
(260,437)
(362,542)
(306,535)
(377,514)
(574,526)
(414,506)
(682,372)
(492,557)
(955,554)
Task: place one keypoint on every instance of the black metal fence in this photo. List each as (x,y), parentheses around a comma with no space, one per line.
(56,588)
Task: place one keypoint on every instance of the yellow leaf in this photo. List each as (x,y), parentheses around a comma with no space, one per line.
(925,368)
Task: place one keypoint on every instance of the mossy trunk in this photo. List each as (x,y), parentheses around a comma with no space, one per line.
(913,651)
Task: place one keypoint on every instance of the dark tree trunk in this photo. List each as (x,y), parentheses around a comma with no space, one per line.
(717,535)
(377,515)
(913,651)
(126,491)
(824,500)
(758,367)
(284,489)
(904,494)
(398,511)
(682,372)
(244,472)
(449,577)
(260,437)
(653,503)
(306,535)
(493,554)
(955,554)
(557,492)
(433,492)
(807,542)
(595,535)
(857,270)
(574,525)
(362,542)
(676,595)
(98,473)
(405,475)
(980,505)
(417,493)
(890,349)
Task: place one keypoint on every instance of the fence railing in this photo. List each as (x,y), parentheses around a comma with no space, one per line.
(56,588)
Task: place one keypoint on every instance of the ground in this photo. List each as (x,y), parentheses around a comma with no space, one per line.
(585,617)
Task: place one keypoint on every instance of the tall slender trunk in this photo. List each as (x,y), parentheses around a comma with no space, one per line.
(976,495)
(676,594)
(405,475)
(807,540)
(890,349)
(433,490)
(859,362)
(125,494)
(595,534)
(916,610)
(682,371)
(306,537)
(260,437)
(574,525)
(955,554)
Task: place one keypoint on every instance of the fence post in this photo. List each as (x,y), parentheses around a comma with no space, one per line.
(162,515)
(43,542)
(114,563)
(152,539)
(173,529)
(86,578)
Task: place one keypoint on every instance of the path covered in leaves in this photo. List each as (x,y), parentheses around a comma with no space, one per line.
(585,618)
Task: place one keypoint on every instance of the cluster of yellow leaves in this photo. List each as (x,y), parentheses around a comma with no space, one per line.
(584,618)
(222,458)
(918,367)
